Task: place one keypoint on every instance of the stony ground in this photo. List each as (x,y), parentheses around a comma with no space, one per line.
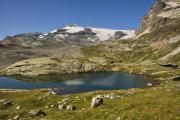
(157,103)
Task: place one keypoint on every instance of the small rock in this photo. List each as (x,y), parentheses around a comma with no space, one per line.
(53,91)
(62,106)
(7,103)
(18,107)
(3,100)
(118,118)
(39,98)
(149,84)
(17,117)
(64,100)
(77,97)
(112,96)
(96,101)
(53,106)
(71,107)
(37,112)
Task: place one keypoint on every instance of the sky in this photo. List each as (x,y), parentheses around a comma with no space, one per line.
(21,16)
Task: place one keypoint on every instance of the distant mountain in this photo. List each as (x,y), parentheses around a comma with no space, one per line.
(71,34)
(74,32)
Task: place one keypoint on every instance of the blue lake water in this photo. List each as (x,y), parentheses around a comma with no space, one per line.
(82,82)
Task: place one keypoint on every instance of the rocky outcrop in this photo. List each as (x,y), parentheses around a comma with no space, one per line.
(51,65)
(171,65)
(163,12)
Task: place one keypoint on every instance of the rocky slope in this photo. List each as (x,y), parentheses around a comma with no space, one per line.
(163,12)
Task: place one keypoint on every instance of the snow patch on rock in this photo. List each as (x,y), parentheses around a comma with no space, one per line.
(73,29)
(54,31)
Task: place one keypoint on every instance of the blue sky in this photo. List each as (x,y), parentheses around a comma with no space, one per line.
(20,16)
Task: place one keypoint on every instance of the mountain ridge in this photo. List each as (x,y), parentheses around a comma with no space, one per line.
(69,33)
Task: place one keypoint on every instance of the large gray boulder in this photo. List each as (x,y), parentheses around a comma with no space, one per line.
(96,101)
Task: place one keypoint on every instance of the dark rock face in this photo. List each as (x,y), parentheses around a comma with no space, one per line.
(119,35)
(177,78)
(169,65)
(36,34)
(2,46)
(153,20)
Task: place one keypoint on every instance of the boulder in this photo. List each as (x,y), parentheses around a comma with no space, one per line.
(53,106)
(17,117)
(53,91)
(177,78)
(37,112)
(7,103)
(96,101)
(71,107)
(18,107)
(118,118)
(62,106)
(149,84)
(3,100)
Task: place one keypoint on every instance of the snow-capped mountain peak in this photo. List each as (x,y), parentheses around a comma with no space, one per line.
(75,32)
(73,28)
